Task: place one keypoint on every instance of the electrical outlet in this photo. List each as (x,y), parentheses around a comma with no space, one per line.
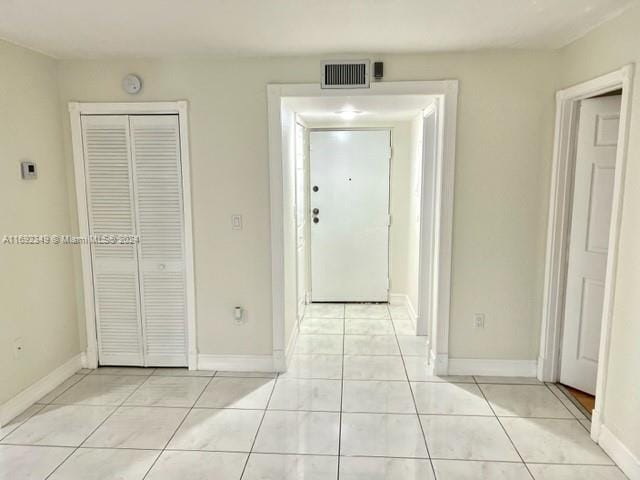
(236,222)
(478,320)
(18,347)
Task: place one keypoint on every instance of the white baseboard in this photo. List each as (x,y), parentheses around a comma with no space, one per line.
(500,368)
(412,312)
(595,425)
(302,306)
(439,364)
(397,299)
(84,360)
(237,363)
(619,453)
(30,395)
(291,344)
(403,299)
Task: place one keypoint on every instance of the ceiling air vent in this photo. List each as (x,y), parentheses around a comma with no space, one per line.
(345,74)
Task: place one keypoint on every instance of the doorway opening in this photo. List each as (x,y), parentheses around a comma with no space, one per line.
(362,183)
(139,296)
(592,121)
(361,165)
(596,140)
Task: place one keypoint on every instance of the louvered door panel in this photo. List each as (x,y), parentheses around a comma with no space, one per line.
(110,202)
(158,187)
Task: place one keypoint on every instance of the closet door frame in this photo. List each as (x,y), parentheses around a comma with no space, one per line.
(180,108)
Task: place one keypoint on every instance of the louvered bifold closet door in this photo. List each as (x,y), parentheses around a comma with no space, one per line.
(109,184)
(158,186)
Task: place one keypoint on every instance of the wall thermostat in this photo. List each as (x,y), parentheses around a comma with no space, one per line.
(132,84)
(28,170)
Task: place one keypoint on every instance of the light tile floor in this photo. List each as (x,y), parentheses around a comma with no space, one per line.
(356,404)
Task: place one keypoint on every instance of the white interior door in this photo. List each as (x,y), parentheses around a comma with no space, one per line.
(589,240)
(110,201)
(159,212)
(350,215)
(134,187)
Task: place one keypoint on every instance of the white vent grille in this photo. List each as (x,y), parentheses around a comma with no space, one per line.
(345,74)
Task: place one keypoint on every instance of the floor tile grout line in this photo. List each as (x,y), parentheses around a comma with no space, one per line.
(178,427)
(344,329)
(546,384)
(52,402)
(565,407)
(329,455)
(505,431)
(255,437)
(415,405)
(116,408)
(574,401)
(574,416)
(22,422)
(65,390)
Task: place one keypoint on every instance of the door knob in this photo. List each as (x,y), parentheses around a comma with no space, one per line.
(315,188)
(316,219)
(316,211)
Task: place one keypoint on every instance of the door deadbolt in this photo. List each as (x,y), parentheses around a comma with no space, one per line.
(316,211)
(315,188)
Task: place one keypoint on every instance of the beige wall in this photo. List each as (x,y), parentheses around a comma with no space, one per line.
(609,47)
(399,196)
(37,300)
(503,153)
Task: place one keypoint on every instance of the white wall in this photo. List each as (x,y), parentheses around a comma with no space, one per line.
(400,188)
(37,301)
(609,47)
(289,223)
(414,215)
(502,167)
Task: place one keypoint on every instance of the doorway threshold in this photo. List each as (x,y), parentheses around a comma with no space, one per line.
(583,401)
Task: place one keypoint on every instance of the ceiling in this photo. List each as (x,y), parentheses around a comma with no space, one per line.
(154,28)
(323,110)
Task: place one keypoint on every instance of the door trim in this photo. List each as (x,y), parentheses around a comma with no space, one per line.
(567,103)
(446,94)
(180,108)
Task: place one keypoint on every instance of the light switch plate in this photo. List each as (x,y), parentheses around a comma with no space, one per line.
(236,222)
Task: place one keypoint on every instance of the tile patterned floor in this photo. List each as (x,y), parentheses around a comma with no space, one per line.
(356,404)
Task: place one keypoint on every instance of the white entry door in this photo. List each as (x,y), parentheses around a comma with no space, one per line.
(589,240)
(350,215)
